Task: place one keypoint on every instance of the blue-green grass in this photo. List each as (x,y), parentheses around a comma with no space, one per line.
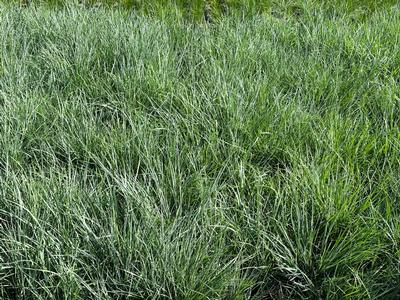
(155,158)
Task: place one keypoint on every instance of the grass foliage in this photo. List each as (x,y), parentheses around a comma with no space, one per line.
(147,158)
(213,10)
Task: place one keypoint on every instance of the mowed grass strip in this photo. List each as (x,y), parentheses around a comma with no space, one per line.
(145,158)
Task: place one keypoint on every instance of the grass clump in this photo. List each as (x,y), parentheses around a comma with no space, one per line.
(145,158)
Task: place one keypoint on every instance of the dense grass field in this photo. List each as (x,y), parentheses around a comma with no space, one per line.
(213,10)
(151,157)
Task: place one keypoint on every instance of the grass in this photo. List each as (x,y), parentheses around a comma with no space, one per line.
(214,10)
(152,158)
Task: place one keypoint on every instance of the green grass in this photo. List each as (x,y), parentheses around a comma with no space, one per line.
(214,10)
(152,158)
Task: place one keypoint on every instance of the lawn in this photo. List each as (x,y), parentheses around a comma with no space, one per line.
(148,156)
